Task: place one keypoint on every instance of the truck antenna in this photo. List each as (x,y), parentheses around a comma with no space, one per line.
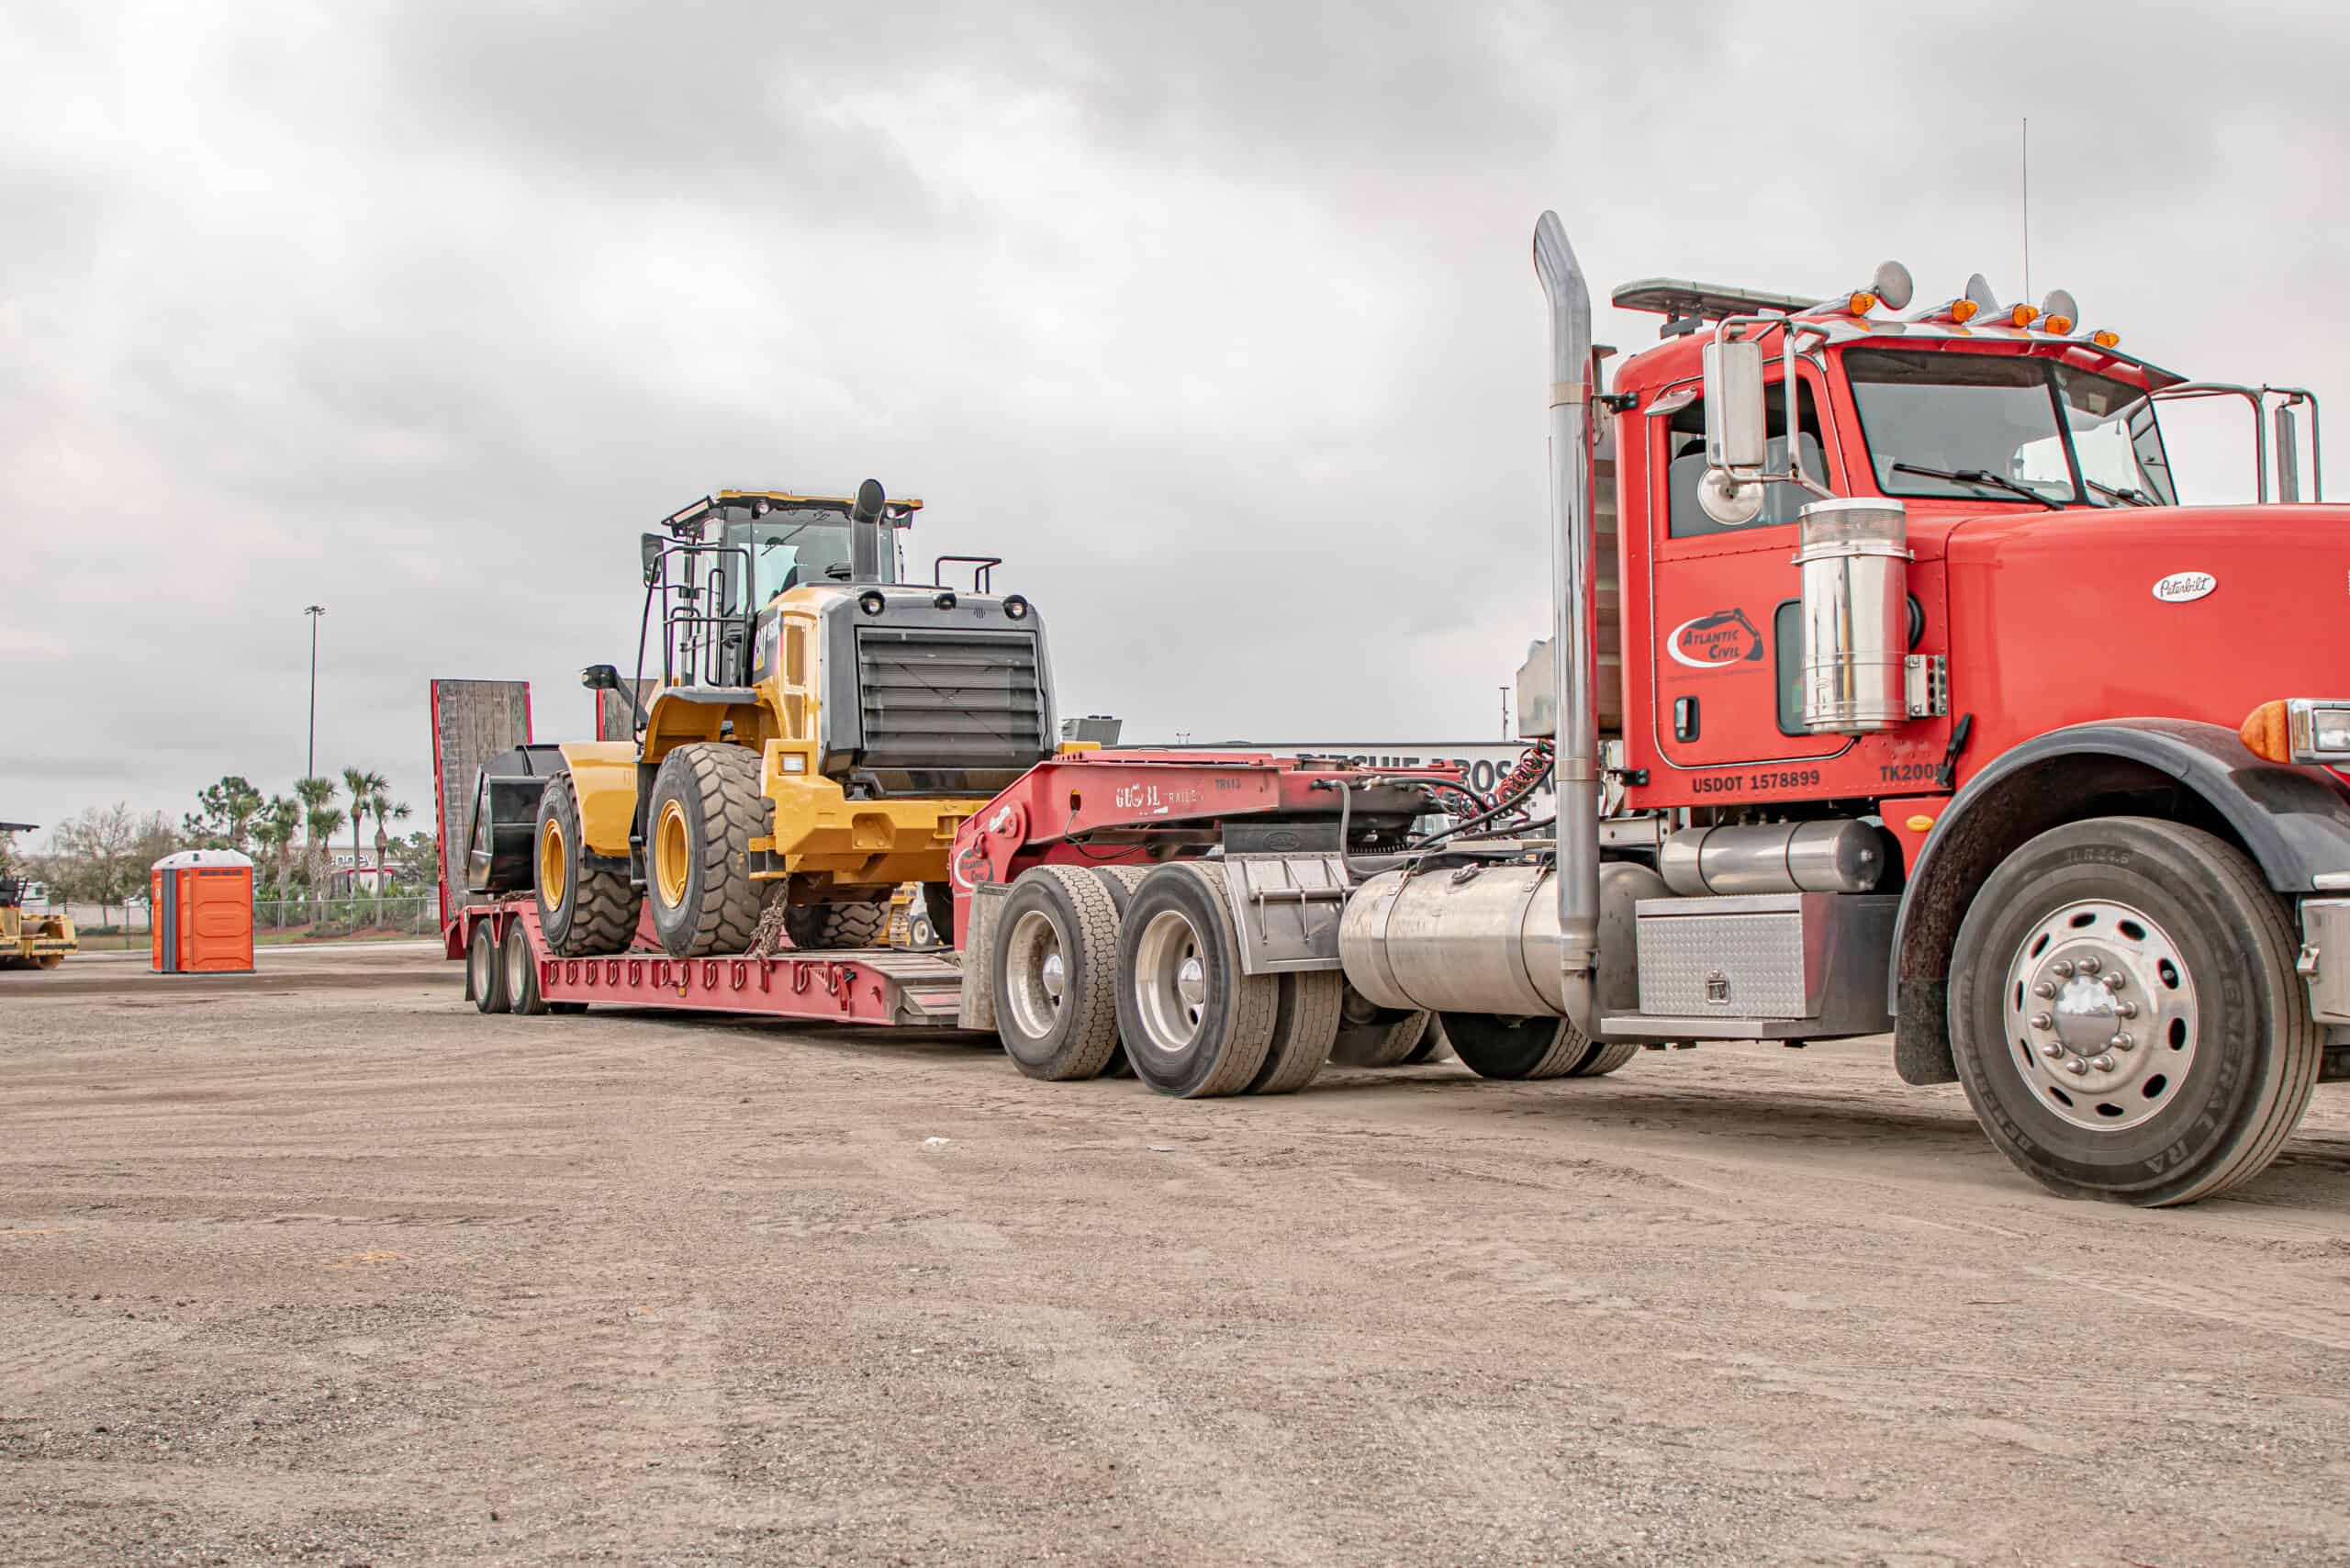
(2024,184)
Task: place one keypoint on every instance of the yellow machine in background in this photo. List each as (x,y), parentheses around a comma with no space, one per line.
(819,729)
(30,941)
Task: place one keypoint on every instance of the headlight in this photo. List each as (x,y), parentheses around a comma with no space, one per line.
(2299,729)
(1015,607)
(871,602)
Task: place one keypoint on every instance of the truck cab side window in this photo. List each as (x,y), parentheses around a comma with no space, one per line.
(1686,447)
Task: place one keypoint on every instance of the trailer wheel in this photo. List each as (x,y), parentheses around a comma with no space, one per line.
(521,974)
(1372,1036)
(812,926)
(1306,1023)
(1193,1024)
(583,912)
(485,974)
(1121,882)
(698,825)
(1055,973)
(939,903)
(2126,1016)
(1519,1049)
(1432,1046)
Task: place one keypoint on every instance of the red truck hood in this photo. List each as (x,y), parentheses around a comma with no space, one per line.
(2186,612)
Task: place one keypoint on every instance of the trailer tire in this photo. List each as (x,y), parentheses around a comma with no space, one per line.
(1305,1025)
(485,970)
(1195,1026)
(587,912)
(1121,882)
(705,809)
(817,926)
(1055,974)
(1519,1049)
(938,903)
(521,973)
(2221,1056)
(1387,1038)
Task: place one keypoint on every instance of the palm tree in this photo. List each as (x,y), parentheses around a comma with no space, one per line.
(274,830)
(385,811)
(365,787)
(315,794)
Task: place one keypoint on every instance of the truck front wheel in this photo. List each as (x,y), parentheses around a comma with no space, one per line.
(2125,1012)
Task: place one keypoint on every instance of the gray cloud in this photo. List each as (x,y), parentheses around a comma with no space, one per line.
(1218,322)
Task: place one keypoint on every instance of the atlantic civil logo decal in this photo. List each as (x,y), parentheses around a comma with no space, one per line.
(1710,642)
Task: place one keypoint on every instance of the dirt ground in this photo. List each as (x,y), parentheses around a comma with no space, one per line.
(328,1267)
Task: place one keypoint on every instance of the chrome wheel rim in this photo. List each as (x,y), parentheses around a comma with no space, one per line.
(1170,983)
(2101,1014)
(1035,970)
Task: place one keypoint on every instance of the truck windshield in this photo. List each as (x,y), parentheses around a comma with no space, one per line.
(1988,426)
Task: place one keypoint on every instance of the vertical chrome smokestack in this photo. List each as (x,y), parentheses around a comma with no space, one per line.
(1571,588)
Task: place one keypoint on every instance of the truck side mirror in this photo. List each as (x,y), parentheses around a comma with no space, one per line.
(601,678)
(652,545)
(1737,438)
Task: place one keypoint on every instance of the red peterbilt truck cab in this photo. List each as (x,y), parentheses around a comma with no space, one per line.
(1934,705)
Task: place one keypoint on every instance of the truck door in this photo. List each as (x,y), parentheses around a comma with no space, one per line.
(1716,594)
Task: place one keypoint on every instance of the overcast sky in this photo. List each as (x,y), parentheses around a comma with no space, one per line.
(1215,320)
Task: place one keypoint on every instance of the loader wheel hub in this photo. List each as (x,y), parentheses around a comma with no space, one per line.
(672,854)
(551,863)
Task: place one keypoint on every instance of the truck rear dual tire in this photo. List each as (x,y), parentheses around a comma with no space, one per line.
(2126,1016)
(1382,1037)
(484,970)
(705,809)
(1195,1026)
(1522,1050)
(583,912)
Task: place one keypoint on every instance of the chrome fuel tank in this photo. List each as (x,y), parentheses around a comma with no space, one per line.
(1483,939)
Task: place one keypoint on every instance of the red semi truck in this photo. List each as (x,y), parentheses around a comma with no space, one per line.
(1912,702)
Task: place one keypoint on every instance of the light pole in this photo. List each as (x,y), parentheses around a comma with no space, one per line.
(1505,691)
(311,769)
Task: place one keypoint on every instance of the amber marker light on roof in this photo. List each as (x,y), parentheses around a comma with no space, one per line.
(1962,311)
(2023,315)
(2104,339)
(1859,302)
(2059,325)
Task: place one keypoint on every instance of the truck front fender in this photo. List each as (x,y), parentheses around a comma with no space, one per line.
(2293,822)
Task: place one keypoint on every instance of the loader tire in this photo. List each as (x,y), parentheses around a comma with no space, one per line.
(1055,974)
(704,812)
(583,912)
(819,925)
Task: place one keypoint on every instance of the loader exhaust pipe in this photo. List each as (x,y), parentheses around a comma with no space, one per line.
(1574,572)
(865,532)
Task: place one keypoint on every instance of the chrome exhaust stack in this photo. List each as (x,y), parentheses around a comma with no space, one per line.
(1574,572)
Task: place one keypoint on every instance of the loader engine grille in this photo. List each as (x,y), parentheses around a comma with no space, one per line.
(950,700)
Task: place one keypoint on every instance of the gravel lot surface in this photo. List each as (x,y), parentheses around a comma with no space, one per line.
(325,1267)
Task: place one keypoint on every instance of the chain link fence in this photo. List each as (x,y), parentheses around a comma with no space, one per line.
(360,918)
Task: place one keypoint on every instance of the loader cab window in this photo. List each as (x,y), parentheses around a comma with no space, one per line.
(1685,465)
(788,549)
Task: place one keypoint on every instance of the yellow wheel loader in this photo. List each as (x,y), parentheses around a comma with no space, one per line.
(818,730)
(30,941)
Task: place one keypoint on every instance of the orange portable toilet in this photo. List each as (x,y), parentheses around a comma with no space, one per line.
(202,913)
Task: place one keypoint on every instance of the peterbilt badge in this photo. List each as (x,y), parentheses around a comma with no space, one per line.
(2180,588)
